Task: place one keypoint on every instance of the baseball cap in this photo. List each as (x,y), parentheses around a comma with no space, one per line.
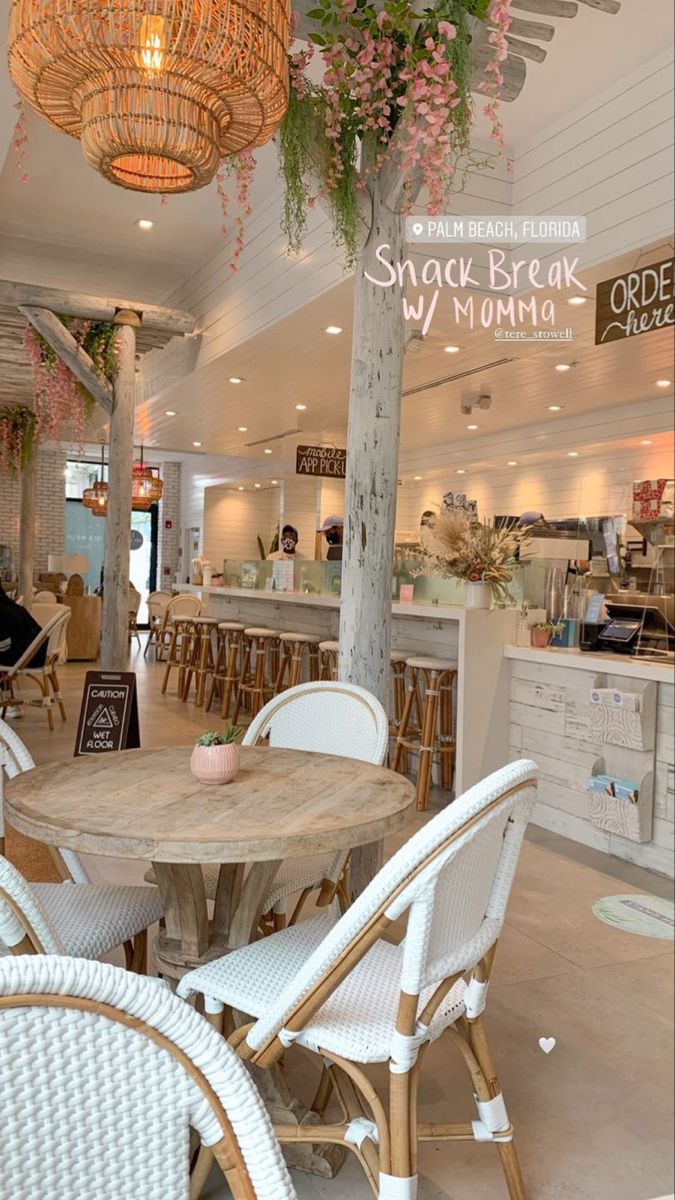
(330,523)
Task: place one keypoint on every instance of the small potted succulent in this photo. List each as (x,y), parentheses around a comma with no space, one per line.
(216,756)
(542,633)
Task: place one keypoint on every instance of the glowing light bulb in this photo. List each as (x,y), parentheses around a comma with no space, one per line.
(153,42)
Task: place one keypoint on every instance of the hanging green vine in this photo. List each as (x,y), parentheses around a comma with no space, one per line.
(384,65)
(18,437)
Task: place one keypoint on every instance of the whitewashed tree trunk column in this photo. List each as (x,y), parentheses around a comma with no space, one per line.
(371,480)
(372,460)
(27,529)
(115,642)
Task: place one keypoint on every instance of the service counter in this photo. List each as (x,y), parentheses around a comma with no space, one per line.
(584,715)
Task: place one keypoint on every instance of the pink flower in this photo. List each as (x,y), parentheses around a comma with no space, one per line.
(447,30)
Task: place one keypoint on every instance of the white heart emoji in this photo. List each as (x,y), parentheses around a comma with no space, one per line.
(547,1044)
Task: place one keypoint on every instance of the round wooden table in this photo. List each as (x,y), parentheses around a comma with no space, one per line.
(144,804)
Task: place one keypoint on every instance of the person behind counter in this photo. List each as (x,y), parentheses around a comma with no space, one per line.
(288,548)
(333,529)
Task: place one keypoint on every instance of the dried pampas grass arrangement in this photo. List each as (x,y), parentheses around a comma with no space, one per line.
(457,547)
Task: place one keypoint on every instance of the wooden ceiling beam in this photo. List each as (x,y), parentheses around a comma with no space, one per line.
(94,308)
(76,359)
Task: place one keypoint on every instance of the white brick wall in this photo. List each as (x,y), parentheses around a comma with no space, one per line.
(51,509)
(168,540)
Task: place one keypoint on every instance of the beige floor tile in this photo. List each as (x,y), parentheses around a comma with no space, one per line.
(650,979)
(553,904)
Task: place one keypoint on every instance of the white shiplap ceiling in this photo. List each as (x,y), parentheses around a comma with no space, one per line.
(296,362)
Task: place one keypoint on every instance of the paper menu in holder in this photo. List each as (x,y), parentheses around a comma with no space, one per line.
(284,576)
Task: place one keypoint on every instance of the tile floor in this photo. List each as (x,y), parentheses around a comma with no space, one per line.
(594,1118)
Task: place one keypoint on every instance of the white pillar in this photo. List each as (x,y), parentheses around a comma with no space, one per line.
(115,643)
(372,460)
(27,529)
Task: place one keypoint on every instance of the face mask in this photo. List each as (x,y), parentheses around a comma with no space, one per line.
(333,539)
(288,545)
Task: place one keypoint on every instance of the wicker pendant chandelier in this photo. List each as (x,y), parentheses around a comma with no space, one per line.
(158,91)
(146,486)
(95,498)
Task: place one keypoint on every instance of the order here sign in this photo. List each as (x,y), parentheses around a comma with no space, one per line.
(109,713)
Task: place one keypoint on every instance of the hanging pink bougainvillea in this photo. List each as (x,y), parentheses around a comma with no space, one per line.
(18,436)
(62,405)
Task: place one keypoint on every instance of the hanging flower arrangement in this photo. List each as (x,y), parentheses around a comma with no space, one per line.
(18,435)
(62,404)
(383,67)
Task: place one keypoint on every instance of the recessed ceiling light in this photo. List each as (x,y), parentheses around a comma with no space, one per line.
(417,478)
(646,442)
(240,489)
(144,223)
(664,383)
(169,413)
(301,407)
(554,407)
(563,366)
(235,379)
(513,462)
(242,428)
(461,471)
(257,485)
(268,451)
(577,300)
(274,482)
(572,453)
(333,329)
(452,349)
(196,443)
(472,427)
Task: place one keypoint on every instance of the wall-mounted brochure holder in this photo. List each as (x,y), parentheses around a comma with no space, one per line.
(623,712)
(618,802)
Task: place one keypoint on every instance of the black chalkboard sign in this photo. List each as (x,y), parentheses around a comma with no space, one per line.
(109,713)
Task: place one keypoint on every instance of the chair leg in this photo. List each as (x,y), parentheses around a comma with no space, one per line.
(47,700)
(403,727)
(427,742)
(507,1150)
(401,1096)
(54,681)
(200,1171)
(139,956)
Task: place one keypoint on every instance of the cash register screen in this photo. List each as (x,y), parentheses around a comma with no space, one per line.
(620,631)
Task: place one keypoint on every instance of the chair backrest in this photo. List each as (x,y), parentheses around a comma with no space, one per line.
(184,605)
(452,878)
(326,717)
(157,603)
(56,643)
(45,598)
(94,1059)
(134,601)
(15,758)
(39,640)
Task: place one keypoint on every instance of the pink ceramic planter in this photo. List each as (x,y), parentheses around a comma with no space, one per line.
(215,764)
(540,638)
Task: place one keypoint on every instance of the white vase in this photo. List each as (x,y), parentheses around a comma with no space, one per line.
(477,595)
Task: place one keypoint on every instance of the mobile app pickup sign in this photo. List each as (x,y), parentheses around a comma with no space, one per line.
(109,713)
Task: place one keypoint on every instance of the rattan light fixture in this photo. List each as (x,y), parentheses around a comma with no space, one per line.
(95,498)
(158,91)
(146,486)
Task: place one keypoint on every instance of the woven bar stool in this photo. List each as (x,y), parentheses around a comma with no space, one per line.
(328,660)
(225,678)
(435,738)
(259,669)
(201,662)
(294,648)
(179,652)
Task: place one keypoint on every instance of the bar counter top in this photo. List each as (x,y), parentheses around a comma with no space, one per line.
(616,664)
(427,610)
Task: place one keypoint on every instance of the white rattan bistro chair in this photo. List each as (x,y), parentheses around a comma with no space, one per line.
(157,603)
(343,992)
(329,718)
(86,920)
(15,758)
(103,1075)
(54,633)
